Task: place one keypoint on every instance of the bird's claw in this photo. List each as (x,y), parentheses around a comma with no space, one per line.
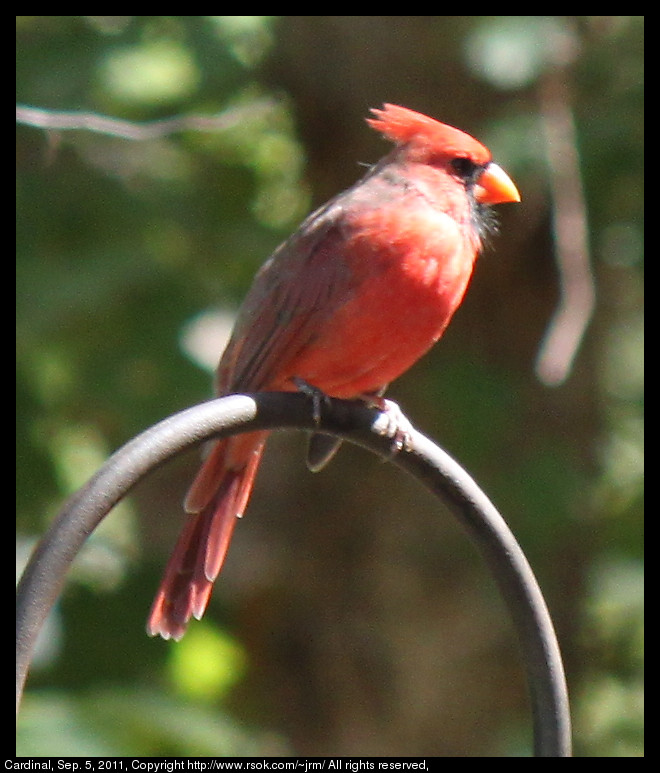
(394,424)
(317,396)
(391,423)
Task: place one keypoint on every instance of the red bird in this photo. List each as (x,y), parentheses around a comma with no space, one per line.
(347,304)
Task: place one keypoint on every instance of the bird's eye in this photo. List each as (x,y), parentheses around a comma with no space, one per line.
(467,170)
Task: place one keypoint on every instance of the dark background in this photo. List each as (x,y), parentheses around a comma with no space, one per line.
(353,616)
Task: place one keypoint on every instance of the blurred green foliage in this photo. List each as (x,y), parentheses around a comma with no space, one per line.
(338,627)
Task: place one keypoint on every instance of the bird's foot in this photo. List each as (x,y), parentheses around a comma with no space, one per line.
(318,397)
(392,423)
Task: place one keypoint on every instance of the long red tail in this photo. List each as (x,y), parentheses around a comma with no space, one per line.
(218,496)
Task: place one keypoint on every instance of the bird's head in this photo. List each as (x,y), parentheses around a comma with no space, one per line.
(425,140)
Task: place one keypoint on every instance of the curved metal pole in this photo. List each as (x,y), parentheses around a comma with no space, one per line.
(45,573)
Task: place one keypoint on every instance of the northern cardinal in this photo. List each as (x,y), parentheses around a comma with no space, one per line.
(348,303)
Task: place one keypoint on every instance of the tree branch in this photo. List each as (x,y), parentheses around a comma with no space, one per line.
(60,120)
(564,335)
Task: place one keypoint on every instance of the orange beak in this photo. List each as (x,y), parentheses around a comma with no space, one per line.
(495,186)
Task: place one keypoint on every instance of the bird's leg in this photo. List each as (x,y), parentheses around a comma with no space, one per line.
(321,448)
(318,396)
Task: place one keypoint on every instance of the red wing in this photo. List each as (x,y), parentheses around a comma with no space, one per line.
(292,295)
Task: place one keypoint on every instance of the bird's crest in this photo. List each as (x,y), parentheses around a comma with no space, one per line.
(407,127)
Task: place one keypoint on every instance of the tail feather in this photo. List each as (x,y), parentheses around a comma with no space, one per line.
(202,545)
